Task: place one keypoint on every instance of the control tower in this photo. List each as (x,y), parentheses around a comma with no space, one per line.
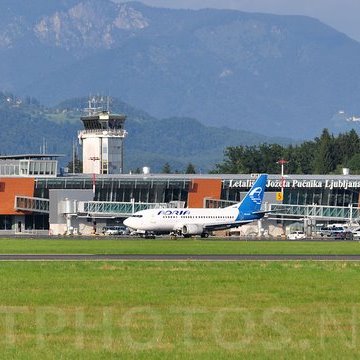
(102,140)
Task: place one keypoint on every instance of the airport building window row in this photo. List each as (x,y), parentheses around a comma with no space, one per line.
(28,168)
(120,190)
(190,190)
(164,190)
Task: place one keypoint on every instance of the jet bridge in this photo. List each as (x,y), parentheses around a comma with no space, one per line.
(32,204)
(113,209)
(119,209)
(318,212)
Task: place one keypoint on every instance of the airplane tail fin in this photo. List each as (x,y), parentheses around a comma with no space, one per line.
(251,204)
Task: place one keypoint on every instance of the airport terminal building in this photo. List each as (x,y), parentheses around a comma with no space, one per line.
(35,197)
(84,203)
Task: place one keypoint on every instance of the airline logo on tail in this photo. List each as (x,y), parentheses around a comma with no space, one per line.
(250,206)
(255,195)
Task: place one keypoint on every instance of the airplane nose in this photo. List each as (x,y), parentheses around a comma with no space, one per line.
(129,222)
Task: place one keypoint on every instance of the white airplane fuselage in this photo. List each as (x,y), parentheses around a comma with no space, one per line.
(201,221)
(168,220)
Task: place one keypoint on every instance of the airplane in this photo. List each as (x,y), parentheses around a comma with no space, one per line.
(200,221)
(353,118)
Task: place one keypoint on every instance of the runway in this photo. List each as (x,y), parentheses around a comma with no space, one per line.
(176,257)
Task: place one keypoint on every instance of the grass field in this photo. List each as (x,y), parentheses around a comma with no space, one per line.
(186,310)
(181,310)
(180,246)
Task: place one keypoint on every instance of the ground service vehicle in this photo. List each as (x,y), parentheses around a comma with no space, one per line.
(115,230)
(296,235)
(356,233)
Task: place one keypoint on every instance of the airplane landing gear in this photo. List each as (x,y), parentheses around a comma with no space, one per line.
(149,235)
(204,235)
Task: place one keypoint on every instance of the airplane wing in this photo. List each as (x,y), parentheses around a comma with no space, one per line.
(265,212)
(225,226)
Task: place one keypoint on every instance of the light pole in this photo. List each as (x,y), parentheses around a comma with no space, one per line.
(93,159)
(282,162)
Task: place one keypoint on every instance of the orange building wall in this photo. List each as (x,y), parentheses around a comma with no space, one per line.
(9,187)
(203,188)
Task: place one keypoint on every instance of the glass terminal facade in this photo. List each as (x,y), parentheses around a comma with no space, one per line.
(324,190)
(121,189)
(298,190)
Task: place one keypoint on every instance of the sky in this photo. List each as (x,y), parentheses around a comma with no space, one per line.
(343,15)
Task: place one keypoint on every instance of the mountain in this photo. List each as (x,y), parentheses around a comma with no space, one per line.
(276,75)
(150,141)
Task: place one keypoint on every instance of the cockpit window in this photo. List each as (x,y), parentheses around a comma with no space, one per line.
(138,216)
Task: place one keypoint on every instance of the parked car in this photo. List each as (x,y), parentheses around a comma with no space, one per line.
(344,235)
(115,230)
(332,231)
(325,231)
(296,235)
(356,233)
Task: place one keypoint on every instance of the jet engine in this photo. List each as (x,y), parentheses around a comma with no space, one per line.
(192,229)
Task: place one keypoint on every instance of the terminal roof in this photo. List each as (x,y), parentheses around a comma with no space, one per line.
(31,156)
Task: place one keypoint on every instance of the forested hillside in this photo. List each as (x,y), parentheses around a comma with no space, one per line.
(173,144)
(26,125)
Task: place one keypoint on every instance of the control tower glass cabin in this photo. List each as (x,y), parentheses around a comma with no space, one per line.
(102,142)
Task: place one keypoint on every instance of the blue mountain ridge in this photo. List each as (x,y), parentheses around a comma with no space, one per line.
(283,76)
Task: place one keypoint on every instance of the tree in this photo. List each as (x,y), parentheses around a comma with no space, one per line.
(346,145)
(190,169)
(233,161)
(325,157)
(269,155)
(75,166)
(301,158)
(166,168)
(136,171)
(251,159)
(354,164)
